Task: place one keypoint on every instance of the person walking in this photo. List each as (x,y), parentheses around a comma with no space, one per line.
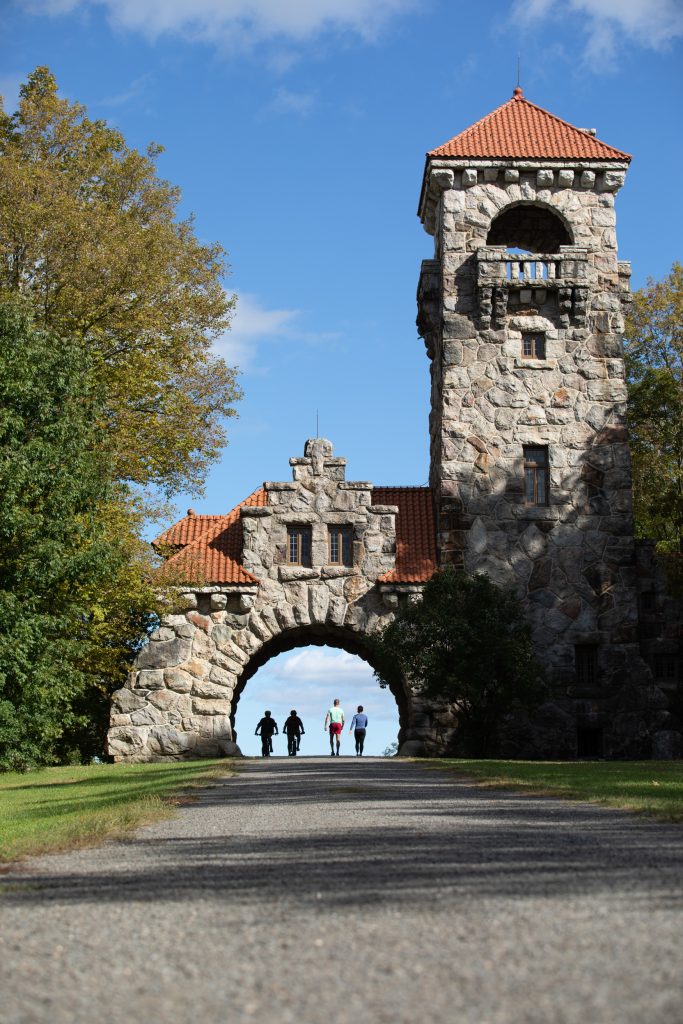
(359,724)
(265,729)
(335,717)
(294,728)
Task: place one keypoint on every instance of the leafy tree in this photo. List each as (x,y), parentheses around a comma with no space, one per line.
(654,363)
(467,644)
(88,231)
(90,238)
(55,479)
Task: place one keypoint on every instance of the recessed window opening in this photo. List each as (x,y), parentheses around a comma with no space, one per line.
(589,742)
(530,228)
(535,475)
(665,668)
(299,545)
(340,545)
(586,665)
(533,346)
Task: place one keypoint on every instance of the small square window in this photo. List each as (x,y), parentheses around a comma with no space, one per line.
(535,475)
(340,545)
(533,346)
(586,665)
(299,545)
(665,668)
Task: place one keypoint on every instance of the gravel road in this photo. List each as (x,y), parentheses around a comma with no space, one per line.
(345,890)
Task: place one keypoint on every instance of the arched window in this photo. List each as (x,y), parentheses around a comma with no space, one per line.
(529,227)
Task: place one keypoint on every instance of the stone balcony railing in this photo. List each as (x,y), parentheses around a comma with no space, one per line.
(506,281)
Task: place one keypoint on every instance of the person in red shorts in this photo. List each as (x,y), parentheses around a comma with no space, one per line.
(335,718)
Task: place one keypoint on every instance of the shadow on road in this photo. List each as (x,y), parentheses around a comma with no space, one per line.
(369,832)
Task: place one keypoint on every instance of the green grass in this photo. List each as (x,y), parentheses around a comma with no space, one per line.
(59,808)
(654,788)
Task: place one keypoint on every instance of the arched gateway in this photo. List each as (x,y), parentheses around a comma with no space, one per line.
(529,479)
(312,560)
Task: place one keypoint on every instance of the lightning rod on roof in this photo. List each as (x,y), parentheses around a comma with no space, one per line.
(317,427)
(518,71)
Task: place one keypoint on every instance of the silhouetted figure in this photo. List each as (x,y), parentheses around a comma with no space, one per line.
(294,728)
(335,716)
(265,729)
(359,724)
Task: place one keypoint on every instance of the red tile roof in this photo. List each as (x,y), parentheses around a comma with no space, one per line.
(520,129)
(213,554)
(415,536)
(210,547)
(187,529)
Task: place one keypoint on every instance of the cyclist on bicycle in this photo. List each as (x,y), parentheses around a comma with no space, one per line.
(294,728)
(265,729)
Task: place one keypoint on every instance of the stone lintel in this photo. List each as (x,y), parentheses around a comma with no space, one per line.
(294,573)
(256,511)
(290,518)
(279,485)
(383,510)
(355,485)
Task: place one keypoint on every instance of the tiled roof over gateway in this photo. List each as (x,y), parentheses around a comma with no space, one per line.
(520,129)
(210,547)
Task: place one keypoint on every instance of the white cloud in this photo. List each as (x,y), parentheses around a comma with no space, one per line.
(321,663)
(132,92)
(253,325)
(287,101)
(651,23)
(239,23)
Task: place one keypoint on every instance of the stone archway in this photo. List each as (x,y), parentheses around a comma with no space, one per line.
(328,636)
(283,582)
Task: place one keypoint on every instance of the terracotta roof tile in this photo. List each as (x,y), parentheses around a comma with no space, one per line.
(521,129)
(211,546)
(186,530)
(415,535)
(213,555)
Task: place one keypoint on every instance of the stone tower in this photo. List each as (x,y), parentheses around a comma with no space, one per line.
(521,310)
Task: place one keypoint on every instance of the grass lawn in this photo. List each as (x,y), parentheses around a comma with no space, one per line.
(56,808)
(654,788)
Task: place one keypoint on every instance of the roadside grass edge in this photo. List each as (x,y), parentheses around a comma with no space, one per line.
(53,810)
(652,789)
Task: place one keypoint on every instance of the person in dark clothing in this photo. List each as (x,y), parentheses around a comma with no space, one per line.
(359,724)
(294,728)
(265,729)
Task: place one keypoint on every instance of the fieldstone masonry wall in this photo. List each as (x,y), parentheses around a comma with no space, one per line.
(179,701)
(572,561)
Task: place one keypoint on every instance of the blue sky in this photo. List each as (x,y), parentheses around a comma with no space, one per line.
(297,131)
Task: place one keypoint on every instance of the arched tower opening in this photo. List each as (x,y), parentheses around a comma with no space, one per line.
(529,227)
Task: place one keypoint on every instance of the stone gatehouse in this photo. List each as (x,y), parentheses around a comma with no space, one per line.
(521,309)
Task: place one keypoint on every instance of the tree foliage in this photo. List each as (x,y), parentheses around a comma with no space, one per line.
(111,392)
(467,644)
(654,364)
(89,232)
(54,550)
